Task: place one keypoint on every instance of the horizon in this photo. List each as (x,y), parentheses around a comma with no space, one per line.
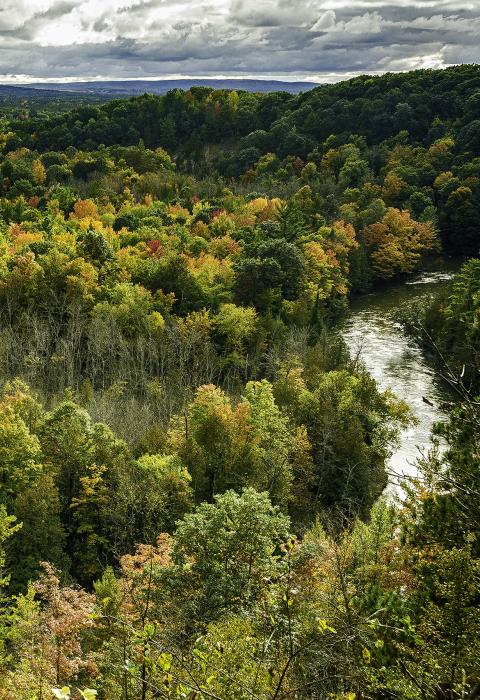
(307,80)
(174,78)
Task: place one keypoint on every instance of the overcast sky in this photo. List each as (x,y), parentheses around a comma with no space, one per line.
(286,39)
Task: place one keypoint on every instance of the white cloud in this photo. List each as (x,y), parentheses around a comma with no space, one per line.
(326,22)
(368,23)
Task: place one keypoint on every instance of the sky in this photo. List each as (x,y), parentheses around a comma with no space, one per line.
(319,40)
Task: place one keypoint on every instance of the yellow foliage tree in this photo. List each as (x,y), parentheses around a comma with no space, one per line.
(397,242)
(393,186)
(39,172)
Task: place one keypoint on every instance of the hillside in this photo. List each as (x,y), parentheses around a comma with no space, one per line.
(421,102)
(16,91)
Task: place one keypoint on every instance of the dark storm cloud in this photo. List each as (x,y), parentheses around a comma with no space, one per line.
(317,38)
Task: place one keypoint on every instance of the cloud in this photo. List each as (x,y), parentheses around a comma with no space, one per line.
(326,22)
(321,39)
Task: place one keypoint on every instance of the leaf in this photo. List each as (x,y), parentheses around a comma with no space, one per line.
(130,667)
(88,694)
(149,630)
(62,693)
(165,662)
(199,654)
(323,627)
(366,655)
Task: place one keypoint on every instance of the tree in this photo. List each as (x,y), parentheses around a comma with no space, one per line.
(214,443)
(397,243)
(85,209)
(459,221)
(351,428)
(354,173)
(94,246)
(86,461)
(90,512)
(39,172)
(47,636)
(66,618)
(23,667)
(443,661)
(273,443)
(41,537)
(8,527)
(449,327)
(141,608)
(276,271)
(351,607)
(19,456)
(66,444)
(162,494)
(229,661)
(232,548)
(237,324)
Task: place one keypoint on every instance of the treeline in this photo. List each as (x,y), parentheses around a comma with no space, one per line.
(422,102)
(449,328)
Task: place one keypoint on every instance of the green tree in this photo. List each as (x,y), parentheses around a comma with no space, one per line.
(352,428)
(225,551)
(214,443)
(90,512)
(162,495)
(8,527)
(273,442)
(459,221)
(41,537)
(237,324)
(19,456)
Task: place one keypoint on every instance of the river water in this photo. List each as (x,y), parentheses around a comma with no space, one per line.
(398,363)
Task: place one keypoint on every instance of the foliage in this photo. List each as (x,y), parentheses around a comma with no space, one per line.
(175,401)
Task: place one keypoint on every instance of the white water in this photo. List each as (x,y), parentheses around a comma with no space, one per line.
(398,363)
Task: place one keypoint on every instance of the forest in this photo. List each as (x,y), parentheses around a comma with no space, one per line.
(193,463)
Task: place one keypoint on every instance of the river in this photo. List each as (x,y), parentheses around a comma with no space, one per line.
(398,363)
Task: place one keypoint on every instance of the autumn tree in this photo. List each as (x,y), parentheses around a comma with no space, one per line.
(396,243)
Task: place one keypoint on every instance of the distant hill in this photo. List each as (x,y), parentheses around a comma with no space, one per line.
(161,87)
(23,91)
